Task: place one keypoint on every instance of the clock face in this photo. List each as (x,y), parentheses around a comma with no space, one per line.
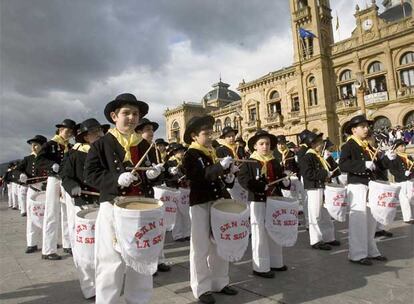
(367,24)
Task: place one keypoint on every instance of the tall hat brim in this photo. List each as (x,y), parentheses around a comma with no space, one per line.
(252,140)
(119,103)
(195,123)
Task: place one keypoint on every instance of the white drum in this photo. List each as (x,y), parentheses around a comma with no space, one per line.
(171,198)
(184,203)
(281,220)
(238,193)
(139,231)
(293,191)
(343,179)
(230,226)
(37,208)
(383,200)
(336,202)
(85,237)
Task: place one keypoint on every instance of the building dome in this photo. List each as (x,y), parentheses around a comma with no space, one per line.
(221,92)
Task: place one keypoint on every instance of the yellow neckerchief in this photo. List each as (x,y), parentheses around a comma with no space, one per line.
(406,159)
(231,147)
(264,159)
(163,155)
(210,152)
(179,161)
(33,153)
(82,147)
(323,161)
(284,154)
(57,138)
(364,145)
(126,141)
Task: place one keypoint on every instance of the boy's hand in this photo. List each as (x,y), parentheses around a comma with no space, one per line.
(226,162)
(173,170)
(229,178)
(76,191)
(23,178)
(126,179)
(154,172)
(55,168)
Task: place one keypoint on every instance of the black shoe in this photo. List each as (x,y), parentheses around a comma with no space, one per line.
(163,267)
(379,258)
(230,291)
(207,298)
(180,240)
(409,222)
(59,246)
(283,268)
(68,250)
(364,261)
(23,214)
(321,246)
(31,249)
(334,243)
(52,257)
(267,275)
(14,208)
(187,238)
(383,233)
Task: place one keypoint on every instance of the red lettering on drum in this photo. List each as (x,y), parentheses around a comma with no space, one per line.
(240,236)
(386,194)
(225,236)
(279,212)
(143,244)
(277,222)
(392,205)
(157,239)
(290,223)
(171,209)
(89,240)
(79,239)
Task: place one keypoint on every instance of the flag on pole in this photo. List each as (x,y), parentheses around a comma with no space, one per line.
(305,33)
(337,22)
(403,8)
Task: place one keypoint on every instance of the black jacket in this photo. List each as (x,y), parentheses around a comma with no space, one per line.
(313,173)
(29,166)
(72,176)
(174,181)
(352,161)
(103,166)
(247,178)
(301,152)
(397,168)
(206,179)
(51,153)
(290,164)
(223,151)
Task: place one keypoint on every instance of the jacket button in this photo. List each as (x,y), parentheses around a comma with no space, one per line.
(215,190)
(117,168)
(123,193)
(115,161)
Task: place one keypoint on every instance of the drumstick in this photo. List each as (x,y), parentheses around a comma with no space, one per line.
(375,154)
(142,158)
(90,193)
(157,154)
(182,177)
(139,168)
(35,178)
(280,179)
(242,160)
(324,146)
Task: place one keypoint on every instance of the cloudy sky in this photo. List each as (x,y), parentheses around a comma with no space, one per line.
(62,58)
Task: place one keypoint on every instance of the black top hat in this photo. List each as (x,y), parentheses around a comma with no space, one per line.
(122,100)
(260,134)
(281,139)
(40,139)
(174,147)
(67,123)
(356,120)
(195,123)
(88,125)
(290,145)
(312,137)
(161,141)
(303,135)
(145,121)
(240,140)
(399,142)
(327,143)
(228,130)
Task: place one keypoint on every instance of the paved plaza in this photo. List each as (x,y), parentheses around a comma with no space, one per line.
(313,276)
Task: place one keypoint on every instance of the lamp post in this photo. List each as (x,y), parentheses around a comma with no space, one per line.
(360,86)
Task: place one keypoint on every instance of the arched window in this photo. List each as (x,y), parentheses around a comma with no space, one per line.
(274,95)
(227,122)
(380,122)
(312,81)
(375,67)
(409,119)
(218,125)
(175,131)
(302,4)
(345,75)
(407,58)
(312,91)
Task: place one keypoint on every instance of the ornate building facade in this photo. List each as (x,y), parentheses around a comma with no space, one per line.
(328,83)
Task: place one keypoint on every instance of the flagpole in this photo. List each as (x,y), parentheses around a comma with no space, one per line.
(403,8)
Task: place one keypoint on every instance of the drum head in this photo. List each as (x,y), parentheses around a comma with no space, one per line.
(39,196)
(335,186)
(283,199)
(137,203)
(89,214)
(230,206)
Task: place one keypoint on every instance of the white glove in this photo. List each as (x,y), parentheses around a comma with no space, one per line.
(287,172)
(173,170)
(229,178)
(23,178)
(330,173)
(55,168)
(234,169)
(77,191)
(226,162)
(391,155)
(326,154)
(159,167)
(154,172)
(286,182)
(296,158)
(370,165)
(126,179)
(407,173)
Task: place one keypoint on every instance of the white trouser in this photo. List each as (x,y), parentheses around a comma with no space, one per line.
(110,267)
(10,194)
(361,224)
(182,227)
(208,271)
(51,217)
(304,195)
(266,253)
(71,211)
(64,220)
(23,199)
(406,207)
(15,195)
(33,233)
(321,228)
